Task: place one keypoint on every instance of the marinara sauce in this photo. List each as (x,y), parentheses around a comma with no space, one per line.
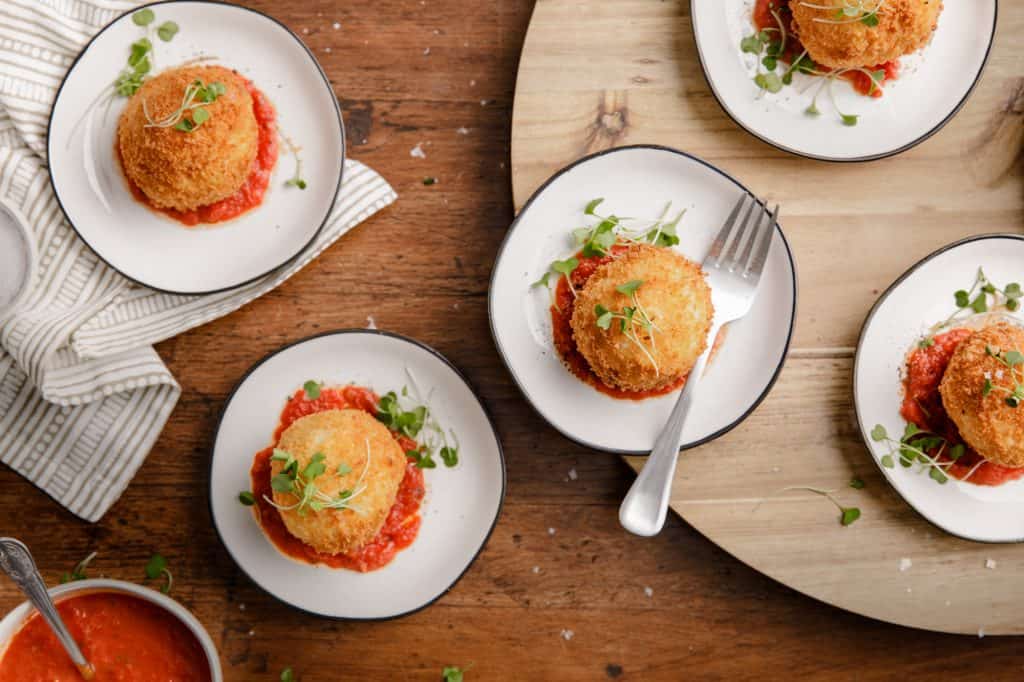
(126,638)
(403,521)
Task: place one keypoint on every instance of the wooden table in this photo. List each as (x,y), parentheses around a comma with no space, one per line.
(587,602)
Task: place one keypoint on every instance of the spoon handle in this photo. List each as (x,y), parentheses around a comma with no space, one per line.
(16,561)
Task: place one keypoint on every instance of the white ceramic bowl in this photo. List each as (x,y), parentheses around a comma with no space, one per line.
(934,84)
(918,299)
(150,248)
(13,621)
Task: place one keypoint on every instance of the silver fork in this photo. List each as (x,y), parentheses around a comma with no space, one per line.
(733,266)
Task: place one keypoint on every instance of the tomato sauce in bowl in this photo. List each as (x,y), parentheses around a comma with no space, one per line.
(922,406)
(403,521)
(251,193)
(125,637)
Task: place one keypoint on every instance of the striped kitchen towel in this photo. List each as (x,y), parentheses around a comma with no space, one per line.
(83,395)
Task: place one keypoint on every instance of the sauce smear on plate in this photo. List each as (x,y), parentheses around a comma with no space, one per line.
(403,521)
(127,639)
(922,406)
(249,195)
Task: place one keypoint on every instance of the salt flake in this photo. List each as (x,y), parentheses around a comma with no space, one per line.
(568,634)
(572,474)
(990,563)
(905,564)
(417,151)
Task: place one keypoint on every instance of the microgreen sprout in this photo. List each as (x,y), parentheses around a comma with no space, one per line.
(921,447)
(301,484)
(78,572)
(849,12)
(157,567)
(597,238)
(412,416)
(847,515)
(453,673)
(246,498)
(296,179)
(631,317)
(1012,360)
(982,297)
(769,46)
(312,389)
(287,675)
(197,95)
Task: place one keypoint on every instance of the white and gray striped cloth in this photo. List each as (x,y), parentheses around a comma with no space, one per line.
(83,395)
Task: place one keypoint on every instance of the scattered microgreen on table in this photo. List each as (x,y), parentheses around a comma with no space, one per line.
(983,297)
(924,448)
(453,673)
(287,675)
(847,515)
(78,572)
(156,568)
(630,317)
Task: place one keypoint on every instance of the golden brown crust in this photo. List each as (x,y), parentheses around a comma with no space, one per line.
(990,426)
(904,26)
(181,170)
(677,299)
(342,436)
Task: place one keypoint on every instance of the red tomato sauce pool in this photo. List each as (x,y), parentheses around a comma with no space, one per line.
(403,521)
(861,82)
(127,639)
(249,195)
(922,406)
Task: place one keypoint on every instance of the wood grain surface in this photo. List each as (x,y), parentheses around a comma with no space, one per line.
(421,268)
(853,228)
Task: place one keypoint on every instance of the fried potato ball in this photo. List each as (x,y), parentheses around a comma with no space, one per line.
(675,297)
(342,436)
(185,170)
(990,426)
(903,27)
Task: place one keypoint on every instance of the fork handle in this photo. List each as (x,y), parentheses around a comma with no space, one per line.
(645,506)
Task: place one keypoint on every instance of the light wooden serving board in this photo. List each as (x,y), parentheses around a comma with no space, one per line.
(601,73)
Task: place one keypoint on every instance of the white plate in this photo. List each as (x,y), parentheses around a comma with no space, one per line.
(932,87)
(152,249)
(635,181)
(460,509)
(918,299)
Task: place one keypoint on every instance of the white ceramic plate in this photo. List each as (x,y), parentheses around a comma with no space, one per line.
(460,509)
(932,87)
(152,249)
(635,181)
(918,299)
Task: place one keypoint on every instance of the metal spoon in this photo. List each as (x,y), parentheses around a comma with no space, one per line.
(16,561)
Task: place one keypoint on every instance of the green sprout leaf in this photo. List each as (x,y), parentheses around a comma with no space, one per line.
(592,205)
(870,20)
(287,675)
(452,673)
(856,483)
(888,462)
(957,451)
(167,31)
(878,433)
(850,119)
(282,483)
(630,287)
(450,456)
(344,469)
(312,389)
(849,515)
(143,17)
(155,566)
(315,467)
(247,498)
(200,116)
(935,473)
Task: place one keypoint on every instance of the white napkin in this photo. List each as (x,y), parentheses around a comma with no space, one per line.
(83,395)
